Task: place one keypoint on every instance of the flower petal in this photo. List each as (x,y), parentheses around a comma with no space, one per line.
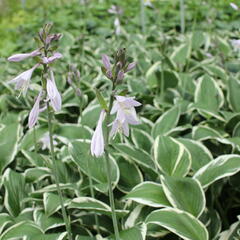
(33,116)
(97,142)
(106,61)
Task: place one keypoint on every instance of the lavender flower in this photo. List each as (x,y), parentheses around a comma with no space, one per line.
(236,43)
(234,6)
(22,81)
(22,56)
(131,66)
(45,140)
(51,59)
(97,142)
(53,93)
(107,65)
(126,114)
(33,116)
(117,26)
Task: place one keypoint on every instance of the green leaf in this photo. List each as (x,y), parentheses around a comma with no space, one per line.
(232,233)
(199,153)
(171,156)
(90,115)
(101,100)
(130,175)
(14,184)
(45,222)
(208,96)
(142,158)
(148,193)
(73,131)
(5,219)
(53,236)
(36,174)
(198,40)
(181,53)
(92,204)
(23,229)
(142,139)
(179,222)
(185,194)
(92,166)
(166,122)
(51,203)
(28,139)
(204,132)
(223,166)
(233,94)
(134,233)
(9,136)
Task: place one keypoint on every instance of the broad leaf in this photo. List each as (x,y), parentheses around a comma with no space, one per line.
(171,156)
(185,194)
(223,166)
(150,194)
(179,222)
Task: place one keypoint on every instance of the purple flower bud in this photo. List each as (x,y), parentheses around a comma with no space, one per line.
(109,74)
(53,93)
(131,66)
(22,56)
(120,75)
(106,62)
(78,92)
(51,59)
(33,116)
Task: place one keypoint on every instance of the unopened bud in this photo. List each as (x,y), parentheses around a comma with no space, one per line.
(78,92)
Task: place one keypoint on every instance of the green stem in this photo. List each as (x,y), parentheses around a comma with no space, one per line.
(93,196)
(143,16)
(109,177)
(54,170)
(35,139)
(182,16)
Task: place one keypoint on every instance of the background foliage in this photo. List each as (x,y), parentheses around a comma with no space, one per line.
(176,176)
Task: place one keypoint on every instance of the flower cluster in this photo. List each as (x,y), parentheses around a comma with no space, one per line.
(22,81)
(123,107)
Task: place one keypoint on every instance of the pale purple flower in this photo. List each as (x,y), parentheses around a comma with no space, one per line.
(234,6)
(126,114)
(97,142)
(22,81)
(21,56)
(107,65)
(120,75)
(53,93)
(117,26)
(33,116)
(106,62)
(131,66)
(45,140)
(115,10)
(148,3)
(51,59)
(236,43)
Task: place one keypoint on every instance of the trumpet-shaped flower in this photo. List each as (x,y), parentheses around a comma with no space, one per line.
(51,59)
(22,81)
(126,114)
(53,93)
(21,56)
(33,116)
(234,6)
(97,142)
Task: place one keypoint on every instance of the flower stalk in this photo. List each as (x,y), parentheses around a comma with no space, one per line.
(109,175)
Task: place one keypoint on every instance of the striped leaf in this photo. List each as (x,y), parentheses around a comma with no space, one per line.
(185,194)
(166,122)
(179,222)
(171,157)
(223,166)
(148,193)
